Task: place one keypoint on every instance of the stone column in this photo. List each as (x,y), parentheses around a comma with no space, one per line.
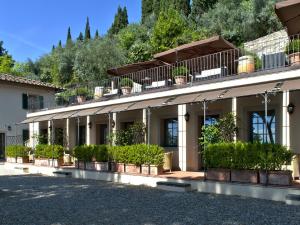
(234,113)
(145,122)
(182,144)
(90,131)
(34,132)
(67,136)
(114,120)
(285,119)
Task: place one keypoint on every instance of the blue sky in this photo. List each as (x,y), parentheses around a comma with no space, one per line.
(29,28)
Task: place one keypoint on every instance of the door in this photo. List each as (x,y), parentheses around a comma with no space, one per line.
(2,145)
(103,134)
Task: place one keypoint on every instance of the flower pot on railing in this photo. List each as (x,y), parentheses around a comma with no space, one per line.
(126,86)
(81,98)
(126,90)
(244,176)
(246,64)
(294,58)
(180,80)
(280,177)
(218,174)
(293,51)
(179,75)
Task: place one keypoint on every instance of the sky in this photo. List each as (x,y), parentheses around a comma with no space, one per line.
(29,28)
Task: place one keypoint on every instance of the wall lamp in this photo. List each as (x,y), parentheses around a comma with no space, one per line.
(113,123)
(290,108)
(187,117)
(90,125)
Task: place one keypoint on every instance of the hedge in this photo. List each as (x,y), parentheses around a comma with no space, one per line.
(88,153)
(243,155)
(17,151)
(137,154)
(49,151)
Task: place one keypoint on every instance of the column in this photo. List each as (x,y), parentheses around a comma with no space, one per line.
(285,119)
(90,130)
(234,113)
(49,127)
(67,138)
(146,124)
(182,147)
(34,132)
(114,126)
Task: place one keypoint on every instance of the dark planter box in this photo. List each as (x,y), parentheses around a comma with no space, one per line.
(131,168)
(120,167)
(218,174)
(280,177)
(23,159)
(80,165)
(11,159)
(112,166)
(145,169)
(97,166)
(156,170)
(244,176)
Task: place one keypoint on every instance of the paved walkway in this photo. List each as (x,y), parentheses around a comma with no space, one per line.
(40,200)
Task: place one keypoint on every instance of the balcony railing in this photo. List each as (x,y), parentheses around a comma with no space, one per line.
(257,56)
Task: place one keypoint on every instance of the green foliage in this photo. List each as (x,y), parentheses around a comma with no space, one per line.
(147,9)
(126,82)
(222,131)
(199,7)
(87,32)
(89,153)
(49,151)
(293,46)
(69,37)
(17,151)
(3,51)
(137,154)
(180,71)
(120,21)
(242,155)
(6,64)
(81,91)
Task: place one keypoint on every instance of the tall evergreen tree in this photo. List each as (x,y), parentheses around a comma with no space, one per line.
(182,6)
(80,37)
(120,21)
(59,44)
(87,33)
(69,37)
(97,34)
(147,9)
(2,49)
(199,7)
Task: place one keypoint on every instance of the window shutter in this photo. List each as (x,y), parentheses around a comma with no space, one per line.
(24,101)
(41,101)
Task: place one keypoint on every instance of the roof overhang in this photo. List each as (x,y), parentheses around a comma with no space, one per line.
(289,14)
(195,49)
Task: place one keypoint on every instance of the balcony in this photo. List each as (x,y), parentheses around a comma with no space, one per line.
(211,60)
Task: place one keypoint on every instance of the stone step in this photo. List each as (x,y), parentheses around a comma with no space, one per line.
(62,174)
(173,186)
(24,169)
(292,199)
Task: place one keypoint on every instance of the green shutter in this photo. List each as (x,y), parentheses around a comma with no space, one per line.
(24,101)
(41,101)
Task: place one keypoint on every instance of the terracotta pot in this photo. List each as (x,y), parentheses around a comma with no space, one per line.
(246,64)
(41,162)
(112,167)
(280,177)
(67,159)
(81,98)
(131,168)
(156,170)
(126,90)
(23,159)
(90,166)
(101,166)
(80,165)
(145,169)
(11,159)
(244,176)
(218,174)
(120,167)
(49,162)
(294,59)
(180,80)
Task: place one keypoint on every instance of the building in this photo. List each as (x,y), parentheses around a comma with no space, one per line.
(17,95)
(260,85)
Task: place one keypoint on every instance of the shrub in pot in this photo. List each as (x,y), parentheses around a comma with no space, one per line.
(17,154)
(293,51)
(126,86)
(81,94)
(153,159)
(83,155)
(101,156)
(133,158)
(180,74)
(117,158)
(49,155)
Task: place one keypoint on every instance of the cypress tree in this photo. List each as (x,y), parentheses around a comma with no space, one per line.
(59,44)
(87,33)
(53,48)
(120,21)
(69,37)
(97,34)
(80,37)
(124,21)
(199,7)
(147,8)
(156,7)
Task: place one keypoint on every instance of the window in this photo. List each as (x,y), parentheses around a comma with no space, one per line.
(171,133)
(210,120)
(32,102)
(82,135)
(25,134)
(258,129)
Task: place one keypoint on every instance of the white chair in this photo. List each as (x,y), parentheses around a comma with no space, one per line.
(157,84)
(222,71)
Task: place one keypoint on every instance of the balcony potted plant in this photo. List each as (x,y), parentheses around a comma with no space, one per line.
(81,94)
(293,51)
(126,86)
(249,62)
(180,74)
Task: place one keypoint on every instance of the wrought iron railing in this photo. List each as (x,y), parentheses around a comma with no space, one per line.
(267,53)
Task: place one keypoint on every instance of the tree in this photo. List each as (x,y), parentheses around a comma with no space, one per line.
(2,49)
(59,44)
(87,33)
(97,34)
(182,6)
(147,9)
(199,7)
(69,37)
(172,29)
(120,21)
(80,37)
(6,63)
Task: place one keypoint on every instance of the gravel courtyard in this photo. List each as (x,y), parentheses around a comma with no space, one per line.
(35,200)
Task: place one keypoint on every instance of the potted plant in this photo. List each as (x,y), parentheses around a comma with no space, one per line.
(101,157)
(84,156)
(180,74)
(293,51)
(48,155)
(81,94)
(153,159)
(132,159)
(116,156)
(249,62)
(126,86)
(17,154)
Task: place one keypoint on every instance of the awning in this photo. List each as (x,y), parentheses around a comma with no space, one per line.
(131,68)
(289,14)
(149,103)
(87,112)
(44,118)
(195,49)
(29,120)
